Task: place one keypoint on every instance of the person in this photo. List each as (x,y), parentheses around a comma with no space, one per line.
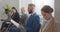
(50,24)
(17,19)
(33,22)
(15,15)
(4,26)
(24,16)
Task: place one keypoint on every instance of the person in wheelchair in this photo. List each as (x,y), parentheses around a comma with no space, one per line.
(6,21)
(15,16)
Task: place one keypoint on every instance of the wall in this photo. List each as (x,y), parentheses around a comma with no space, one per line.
(57,10)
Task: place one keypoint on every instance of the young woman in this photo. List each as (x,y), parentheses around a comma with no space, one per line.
(24,16)
(15,15)
(50,25)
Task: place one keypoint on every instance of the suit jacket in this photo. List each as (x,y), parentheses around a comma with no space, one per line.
(32,23)
(52,27)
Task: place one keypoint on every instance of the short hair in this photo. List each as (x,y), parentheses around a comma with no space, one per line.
(47,9)
(23,9)
(31,5)
(6,10)
(13,8)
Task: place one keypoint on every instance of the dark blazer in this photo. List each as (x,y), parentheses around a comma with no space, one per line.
(23,19)
(33,23)
(16,17)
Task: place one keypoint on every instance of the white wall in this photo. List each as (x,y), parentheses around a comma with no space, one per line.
(12,3)
(25,3)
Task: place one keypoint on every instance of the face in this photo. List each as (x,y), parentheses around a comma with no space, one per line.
(31,9)
(6,12)
(13,11)
(45,15)
(22,11)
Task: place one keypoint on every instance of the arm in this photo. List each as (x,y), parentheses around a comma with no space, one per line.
(18,26)
(15,23)
(3,19)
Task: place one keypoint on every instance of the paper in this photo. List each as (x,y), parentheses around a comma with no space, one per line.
(15,23)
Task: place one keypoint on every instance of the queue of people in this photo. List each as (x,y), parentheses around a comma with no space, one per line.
(32,23)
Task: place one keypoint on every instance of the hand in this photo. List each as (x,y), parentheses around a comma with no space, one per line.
(2,19)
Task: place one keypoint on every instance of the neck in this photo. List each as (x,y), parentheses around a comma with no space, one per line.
(32,12)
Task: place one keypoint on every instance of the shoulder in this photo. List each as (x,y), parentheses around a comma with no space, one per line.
(36,16)
(55,24)
(54,20)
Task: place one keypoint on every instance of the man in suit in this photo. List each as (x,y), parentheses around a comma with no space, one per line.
(33,22)
(50,25)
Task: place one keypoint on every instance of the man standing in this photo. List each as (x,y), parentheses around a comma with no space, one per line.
(33,23)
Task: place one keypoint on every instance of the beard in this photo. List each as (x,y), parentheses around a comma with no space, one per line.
(30,11)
